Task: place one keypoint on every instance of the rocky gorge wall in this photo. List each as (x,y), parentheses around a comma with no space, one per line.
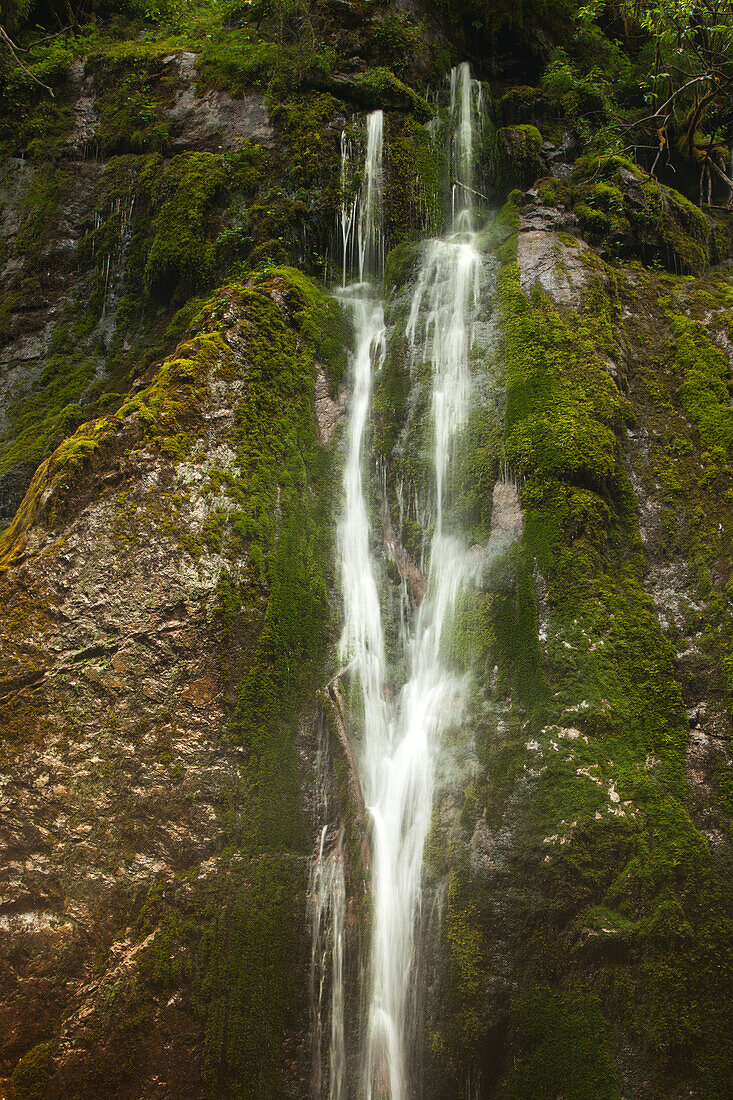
(172,387)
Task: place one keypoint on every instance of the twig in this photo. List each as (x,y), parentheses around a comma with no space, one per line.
(5,37)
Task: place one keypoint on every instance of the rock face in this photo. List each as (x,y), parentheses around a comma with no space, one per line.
(122,789)
(173,719)
(213,120)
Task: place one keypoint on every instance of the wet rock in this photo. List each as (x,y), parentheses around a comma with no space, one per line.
(329,411)
(214,120)
(554,263)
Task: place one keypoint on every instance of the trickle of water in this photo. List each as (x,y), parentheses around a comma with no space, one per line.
(360,218)
(362,641)
(371,235)
(328,900)
(347,212)
(467,113)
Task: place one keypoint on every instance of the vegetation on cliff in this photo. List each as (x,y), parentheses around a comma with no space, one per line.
(583,853)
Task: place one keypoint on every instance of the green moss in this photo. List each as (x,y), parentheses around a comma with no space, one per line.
(614,678)
(396,38)
(521,104)
(622,208)
(518,150)
(73,385)
(562,406)
(682,226)
(285,531)
(564,1049)
(237,63)
(40,419)
(246,967)
(400,264)
(43,130)
(391,394)
(721,236)
(412,187)
(466,967)
(227,603)
(180,251)
(31,1076)
(379,87)
(706,389)
(130,114)
(552,192)
(38,213)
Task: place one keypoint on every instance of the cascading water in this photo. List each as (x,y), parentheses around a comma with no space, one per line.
(362,639)
(400,760)
(400,737)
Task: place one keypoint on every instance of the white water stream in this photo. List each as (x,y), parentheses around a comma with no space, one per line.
(401,736)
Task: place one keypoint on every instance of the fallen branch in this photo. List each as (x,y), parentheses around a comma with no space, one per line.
(337,704)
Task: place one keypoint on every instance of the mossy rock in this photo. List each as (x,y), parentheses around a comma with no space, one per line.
(180,251)
(519,156)
(412,180)
(380,88)
(521,105)
(401,264)
(623,210)
(721,235)
(32,1075)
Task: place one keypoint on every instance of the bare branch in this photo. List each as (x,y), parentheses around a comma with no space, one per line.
(5,37)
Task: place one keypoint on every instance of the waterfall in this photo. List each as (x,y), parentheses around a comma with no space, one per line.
(400,763)
(371,236)
(347,211)
(362,642)
(467,114)
(400,736)
(360,217)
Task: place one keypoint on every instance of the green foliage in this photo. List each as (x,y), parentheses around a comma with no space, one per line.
(130,119)
(42,131)
(238,63)
(581,96)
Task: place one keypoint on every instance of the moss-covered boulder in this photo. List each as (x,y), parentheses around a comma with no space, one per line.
(624,210)
(519,156)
